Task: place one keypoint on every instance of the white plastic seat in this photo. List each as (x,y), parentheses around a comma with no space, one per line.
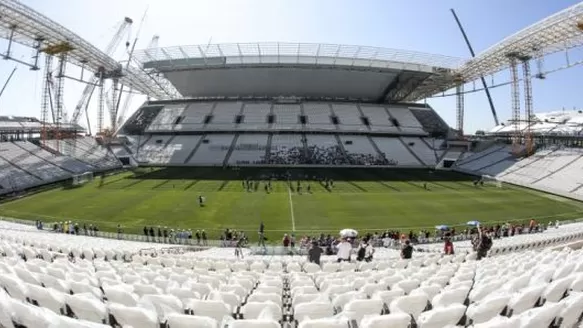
(163,305)
(487,309)
(254,323)
(407,285)
(572,308)
(47,298)
(118,295)
(442,316)
(324,323)
(313,310)
(410,304)
(540,317)
(252,310)
(361,308)
(556,289)
(14,287)
(499,322)
(189,321)
(387,296)
(29,315)
(133,316)
(86,307)
(448,297)
(393,320)
(525,299)
(260,297)
(341,300)
(212,309)
(66,322)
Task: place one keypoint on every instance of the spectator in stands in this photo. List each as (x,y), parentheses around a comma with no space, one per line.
(369,251)
(484,244)
(407,250)
(314,253)
(285,242)
(119,231)
(197,235)
(152,235)
(146,233)
(204,238)
(448,245)
(344,249)
(165,234)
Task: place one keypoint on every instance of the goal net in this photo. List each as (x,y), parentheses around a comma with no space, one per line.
(83,178)
(488,180)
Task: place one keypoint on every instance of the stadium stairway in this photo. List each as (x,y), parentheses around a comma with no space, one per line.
(189,157)
(412,152)
(344,152)
(268,148)
(231,149)
(559,169)
(375,146)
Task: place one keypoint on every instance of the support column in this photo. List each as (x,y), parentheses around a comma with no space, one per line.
(60,86)
(101,105)
(113,108)
(46,98)
(459,93)
(515,103)
(527,104)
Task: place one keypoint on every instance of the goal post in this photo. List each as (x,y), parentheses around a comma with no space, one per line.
(489,180)
(81,179)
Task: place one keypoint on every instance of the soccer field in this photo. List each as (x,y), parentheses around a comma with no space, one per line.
(364,199)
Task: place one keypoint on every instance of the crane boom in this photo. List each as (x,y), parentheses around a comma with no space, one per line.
(94,80)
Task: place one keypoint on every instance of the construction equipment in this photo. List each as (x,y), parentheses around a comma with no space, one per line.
(98,79)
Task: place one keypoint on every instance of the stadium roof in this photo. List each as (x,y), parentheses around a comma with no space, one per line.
(25,26)
(296,69)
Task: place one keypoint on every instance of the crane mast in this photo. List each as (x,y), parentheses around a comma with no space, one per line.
(95,80)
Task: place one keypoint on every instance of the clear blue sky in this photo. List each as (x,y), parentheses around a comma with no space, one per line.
(421,25)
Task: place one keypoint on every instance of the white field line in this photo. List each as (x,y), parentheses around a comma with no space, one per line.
(291,209)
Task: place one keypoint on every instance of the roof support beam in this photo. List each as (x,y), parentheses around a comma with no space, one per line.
(391,86)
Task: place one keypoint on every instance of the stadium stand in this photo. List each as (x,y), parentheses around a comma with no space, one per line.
(554,170)
(194,116)
(395,150)
(26,165)
(349,117)
(318,116)
(255,116)
(249,149)
(223,116)
(405,120)
(378,118)
(212,150)
(166,118)
(432,123)
(60,280)
(287,116)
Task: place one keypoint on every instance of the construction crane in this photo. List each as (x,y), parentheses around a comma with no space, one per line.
(8,81)
(96,80)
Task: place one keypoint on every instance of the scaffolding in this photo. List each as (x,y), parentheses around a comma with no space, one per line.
(46,99)
(460,109)
(527,78)
(515,101)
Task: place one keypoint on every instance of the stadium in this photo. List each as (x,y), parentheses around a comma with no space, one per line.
(204,207)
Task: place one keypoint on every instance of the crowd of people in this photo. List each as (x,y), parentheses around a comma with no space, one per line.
(324,155)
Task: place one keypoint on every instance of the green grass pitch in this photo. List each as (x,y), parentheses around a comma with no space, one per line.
(364,199)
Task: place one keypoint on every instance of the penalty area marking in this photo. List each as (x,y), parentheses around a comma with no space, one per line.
(291,209)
